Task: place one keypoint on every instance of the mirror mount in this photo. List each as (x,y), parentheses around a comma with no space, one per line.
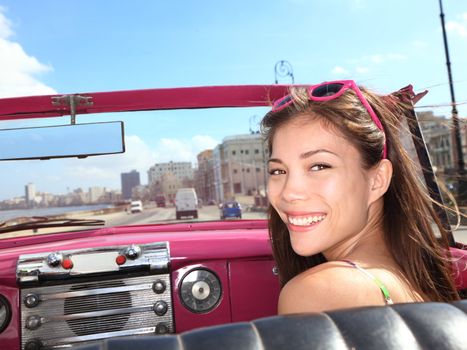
(72,102)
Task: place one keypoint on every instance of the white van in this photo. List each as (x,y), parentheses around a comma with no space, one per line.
(136,207)
(186,203)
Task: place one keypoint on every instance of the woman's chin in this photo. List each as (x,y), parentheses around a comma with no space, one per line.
(305,249)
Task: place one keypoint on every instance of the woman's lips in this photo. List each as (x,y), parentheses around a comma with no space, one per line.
(303,222)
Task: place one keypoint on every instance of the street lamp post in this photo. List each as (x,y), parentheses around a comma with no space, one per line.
(462,183)
(263,155)
(283,69)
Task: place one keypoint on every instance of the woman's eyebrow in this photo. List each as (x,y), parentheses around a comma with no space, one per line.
(313,152)
(275,160)
(305,155)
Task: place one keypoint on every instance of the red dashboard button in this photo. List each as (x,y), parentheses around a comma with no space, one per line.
(120,260)
(67,264)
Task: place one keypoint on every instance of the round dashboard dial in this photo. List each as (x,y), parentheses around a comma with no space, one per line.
(200,290)
(5,313)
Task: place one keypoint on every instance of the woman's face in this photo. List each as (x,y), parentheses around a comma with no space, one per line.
(318,186)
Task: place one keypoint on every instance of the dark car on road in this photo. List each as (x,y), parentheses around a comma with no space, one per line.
(160,201)
(231,209)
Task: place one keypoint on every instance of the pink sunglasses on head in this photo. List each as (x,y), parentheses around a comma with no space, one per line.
(329,91)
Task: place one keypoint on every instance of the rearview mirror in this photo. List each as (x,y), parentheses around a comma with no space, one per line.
(75,140)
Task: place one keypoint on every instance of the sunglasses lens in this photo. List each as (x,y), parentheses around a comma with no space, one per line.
(327,90)
(284,101)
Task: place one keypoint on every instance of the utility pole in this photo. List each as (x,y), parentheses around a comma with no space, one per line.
(462,181)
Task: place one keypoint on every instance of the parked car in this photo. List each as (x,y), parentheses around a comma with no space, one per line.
(136,207)
(230,209)
(68,281)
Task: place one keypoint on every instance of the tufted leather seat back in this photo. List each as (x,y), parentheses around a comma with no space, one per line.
(400,326)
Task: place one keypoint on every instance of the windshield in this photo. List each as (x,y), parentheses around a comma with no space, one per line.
(169,157)
(184,165)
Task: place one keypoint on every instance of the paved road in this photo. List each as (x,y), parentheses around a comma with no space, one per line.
(161,215)
(165,215)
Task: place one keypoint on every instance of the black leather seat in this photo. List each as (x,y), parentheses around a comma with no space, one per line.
(401,326)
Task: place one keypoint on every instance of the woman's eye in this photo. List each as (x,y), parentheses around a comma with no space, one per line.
(318,167)
(276,172)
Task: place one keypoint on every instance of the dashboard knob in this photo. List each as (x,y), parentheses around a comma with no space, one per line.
(33,322)
(54,259)
(133,252)
(160,308)
(158,287)
(162,328)
(33,345)
(31,300)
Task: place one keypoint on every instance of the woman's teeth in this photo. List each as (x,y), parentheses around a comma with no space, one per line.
(305,220)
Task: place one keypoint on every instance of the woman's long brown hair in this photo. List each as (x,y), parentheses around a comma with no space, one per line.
(408,216)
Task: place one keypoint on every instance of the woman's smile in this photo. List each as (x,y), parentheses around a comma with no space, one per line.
(302,222)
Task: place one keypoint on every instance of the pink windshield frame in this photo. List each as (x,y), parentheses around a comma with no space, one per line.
(346,84)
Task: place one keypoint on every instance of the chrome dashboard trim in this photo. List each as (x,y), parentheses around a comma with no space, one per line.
(98,313)
(97,291)
(34,268)
(85,306)
(98,336)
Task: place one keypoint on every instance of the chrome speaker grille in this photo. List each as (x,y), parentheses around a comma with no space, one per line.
(88,311)
(97,302)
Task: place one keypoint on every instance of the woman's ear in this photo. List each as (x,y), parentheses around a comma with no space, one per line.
(380,180)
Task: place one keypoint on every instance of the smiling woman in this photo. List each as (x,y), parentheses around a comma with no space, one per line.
(350,223)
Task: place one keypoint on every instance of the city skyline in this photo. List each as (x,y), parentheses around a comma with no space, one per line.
(436,130)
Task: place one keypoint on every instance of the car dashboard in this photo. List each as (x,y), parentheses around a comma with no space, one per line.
(81,287)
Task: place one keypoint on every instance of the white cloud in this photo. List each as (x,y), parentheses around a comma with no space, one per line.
(366,64)
(17,68)
(5,25)
(458,27)
(418,44)
(338,70)
(183,150)
(381,58)
(376,58)
(106,170)
(362,70)
(395,57)
(202,142)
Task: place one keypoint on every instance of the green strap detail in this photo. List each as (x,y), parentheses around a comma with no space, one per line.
(383,288)
(380,284)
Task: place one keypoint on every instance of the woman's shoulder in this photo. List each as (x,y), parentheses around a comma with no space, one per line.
(328,286)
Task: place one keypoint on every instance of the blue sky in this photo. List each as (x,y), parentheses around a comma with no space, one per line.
(52,46)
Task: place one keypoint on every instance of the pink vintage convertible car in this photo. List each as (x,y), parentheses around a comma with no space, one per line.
(94,287)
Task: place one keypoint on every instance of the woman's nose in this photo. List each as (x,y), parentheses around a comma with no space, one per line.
(295,188)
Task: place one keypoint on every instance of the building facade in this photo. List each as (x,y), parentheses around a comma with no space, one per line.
(440,139)
(181,170)
(30,194)
(96,194)
(204,176)
(129,181)
(240,166)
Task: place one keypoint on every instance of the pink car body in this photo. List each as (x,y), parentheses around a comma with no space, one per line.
(237,252)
